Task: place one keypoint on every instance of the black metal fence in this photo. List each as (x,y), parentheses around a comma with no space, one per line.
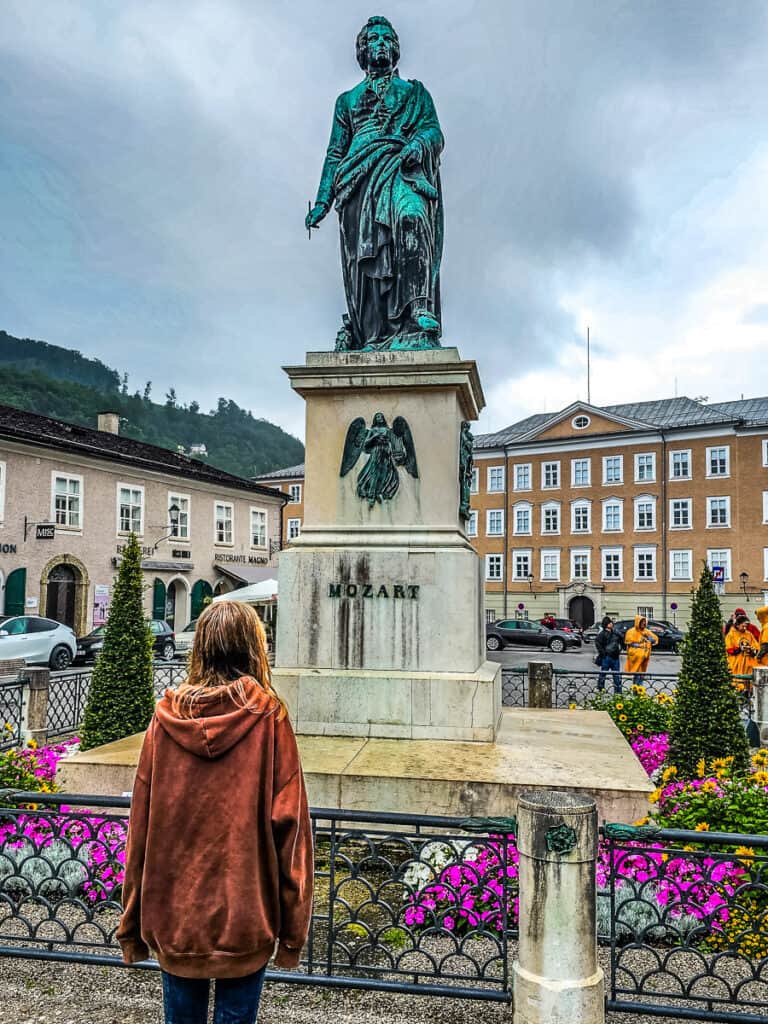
(402,903)
(67,694)
(579,688)
(686,917)
(11,712)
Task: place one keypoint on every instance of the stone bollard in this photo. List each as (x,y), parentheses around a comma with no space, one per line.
(34,715)
(557,979)
(761,703)
(540,676)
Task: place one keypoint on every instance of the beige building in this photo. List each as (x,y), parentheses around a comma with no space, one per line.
(70,496)
(593,511)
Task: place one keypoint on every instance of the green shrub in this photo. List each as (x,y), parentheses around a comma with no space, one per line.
(705,722)
(121,700)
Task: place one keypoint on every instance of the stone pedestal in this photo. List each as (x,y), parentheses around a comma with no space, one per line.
(380,631)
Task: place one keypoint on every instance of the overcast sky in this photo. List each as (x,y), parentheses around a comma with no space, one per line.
(606,163)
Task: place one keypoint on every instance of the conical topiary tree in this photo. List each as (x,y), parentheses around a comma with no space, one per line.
(122,699)
(705,721)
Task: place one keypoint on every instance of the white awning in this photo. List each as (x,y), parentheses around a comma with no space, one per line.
(256,593)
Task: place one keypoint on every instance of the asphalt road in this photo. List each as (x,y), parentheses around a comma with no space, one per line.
(578,660)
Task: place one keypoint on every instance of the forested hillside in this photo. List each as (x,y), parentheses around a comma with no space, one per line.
(58,382)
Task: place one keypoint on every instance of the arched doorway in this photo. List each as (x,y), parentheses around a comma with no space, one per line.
(15,592)
(582,611)
(202,593)
(176,604)
(60,596)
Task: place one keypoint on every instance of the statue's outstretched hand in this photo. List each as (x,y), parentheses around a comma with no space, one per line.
(315,215)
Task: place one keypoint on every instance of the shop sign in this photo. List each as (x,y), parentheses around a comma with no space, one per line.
(100,604)
(45,531)
(181,553)
(7,549)
(145,551)
(223,556)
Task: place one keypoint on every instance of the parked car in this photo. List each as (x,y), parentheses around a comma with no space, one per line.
(37,640)
(164,642)
(566,624)
(185,638)
(670,637)
(533,634)
(588,635)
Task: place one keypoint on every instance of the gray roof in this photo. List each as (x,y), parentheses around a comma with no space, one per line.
(283,474)
(664,413)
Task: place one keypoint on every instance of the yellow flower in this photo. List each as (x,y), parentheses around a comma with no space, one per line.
(710,786)
(668,773)
(640,728)
(8,727)
(622,718)
(701,768)
(702,827)
(654,797)
(745,852)
(688,848)
(619,706)
(32,744)
(641,821)
(760,778)
(571,707)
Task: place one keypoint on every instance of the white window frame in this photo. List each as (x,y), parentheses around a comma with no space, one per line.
(294,494)
(645,611)
(474,486)
(557,473)
(550,553)
(577,552)
(645,499)
(645,550)
(292,528)
(680,579)
(612,552)
(765,504)
(489,478)
(718,448)
(645,479)
(522,466)
(522,506)
(728,566)
(57,474)
(131,487)
(620,503)
(610,459)
(223,504)
(2,491)
(472,523)
(494,512)
(516,553)
(494,559)
(672,503)
(765,563)
(551,506)
(765,451)
(680,451)
(174,497)
(574,464)
(262,512)
(580,421)
(578,505)
(719,497)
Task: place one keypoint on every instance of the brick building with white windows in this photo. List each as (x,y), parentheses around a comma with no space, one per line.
(592,511)
(291,482)
(70,496)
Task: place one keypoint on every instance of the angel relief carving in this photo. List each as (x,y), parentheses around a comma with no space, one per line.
(387,449)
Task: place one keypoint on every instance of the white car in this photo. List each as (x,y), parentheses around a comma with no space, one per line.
(37,640)
(185,638)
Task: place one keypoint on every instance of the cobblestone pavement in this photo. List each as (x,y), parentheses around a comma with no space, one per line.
(46,993)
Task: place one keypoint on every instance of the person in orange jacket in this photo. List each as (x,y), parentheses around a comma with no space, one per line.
(740,647)
(639,640)
(762,618)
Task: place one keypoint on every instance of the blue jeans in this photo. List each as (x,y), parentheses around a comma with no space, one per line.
(236,1000)
(609,665)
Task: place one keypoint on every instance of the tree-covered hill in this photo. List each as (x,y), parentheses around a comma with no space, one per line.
(235,440)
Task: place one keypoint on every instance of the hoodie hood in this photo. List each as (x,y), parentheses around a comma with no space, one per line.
(638,620)
(762,615)
(219,722)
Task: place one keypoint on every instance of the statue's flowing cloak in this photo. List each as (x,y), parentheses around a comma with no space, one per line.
(375,198)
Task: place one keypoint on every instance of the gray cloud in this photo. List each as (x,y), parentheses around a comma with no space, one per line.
(157,160)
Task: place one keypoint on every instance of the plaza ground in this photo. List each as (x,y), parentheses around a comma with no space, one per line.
(575,660)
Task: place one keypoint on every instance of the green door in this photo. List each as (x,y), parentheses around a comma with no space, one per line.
(200,591)
(158,599)
(15,592)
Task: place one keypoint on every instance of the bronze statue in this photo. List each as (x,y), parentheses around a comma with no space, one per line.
(387,449)
(382,172)
(466,465)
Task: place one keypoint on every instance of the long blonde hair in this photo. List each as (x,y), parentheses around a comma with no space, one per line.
(230,644)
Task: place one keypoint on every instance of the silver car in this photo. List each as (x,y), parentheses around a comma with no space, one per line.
(185,638)
(37,640)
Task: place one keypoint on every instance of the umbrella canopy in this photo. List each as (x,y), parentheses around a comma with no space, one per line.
(255,593)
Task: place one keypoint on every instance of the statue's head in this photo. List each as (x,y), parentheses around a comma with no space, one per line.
(377,44)
(379,420)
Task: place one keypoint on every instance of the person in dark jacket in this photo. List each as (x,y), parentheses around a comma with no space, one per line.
(608,647)
(219,858)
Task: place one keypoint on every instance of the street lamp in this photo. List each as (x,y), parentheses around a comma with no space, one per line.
(744,579)
(530,584)
(173,520)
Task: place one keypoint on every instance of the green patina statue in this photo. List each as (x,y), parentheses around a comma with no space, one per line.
(382,172)
(387,449)
(466,465)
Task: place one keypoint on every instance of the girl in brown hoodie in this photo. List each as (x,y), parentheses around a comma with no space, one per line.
(219,856)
